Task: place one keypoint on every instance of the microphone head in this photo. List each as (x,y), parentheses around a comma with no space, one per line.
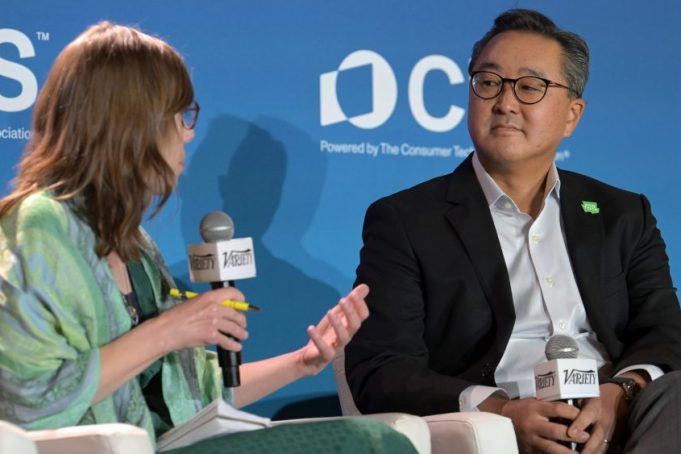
(560,347)
(216,226)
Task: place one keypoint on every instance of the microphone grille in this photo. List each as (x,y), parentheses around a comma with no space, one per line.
(216,226)
(560,346)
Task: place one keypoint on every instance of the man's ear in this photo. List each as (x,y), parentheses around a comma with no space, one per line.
(575,112)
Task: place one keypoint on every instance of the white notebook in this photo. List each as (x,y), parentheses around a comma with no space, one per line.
(218,418)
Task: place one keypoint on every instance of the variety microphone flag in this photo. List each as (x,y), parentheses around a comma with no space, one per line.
(565,376)
(221,261)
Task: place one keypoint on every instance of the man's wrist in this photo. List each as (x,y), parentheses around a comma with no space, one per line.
(493,404)
(629,386)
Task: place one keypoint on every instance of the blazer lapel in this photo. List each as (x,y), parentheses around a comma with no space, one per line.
(584,233)
(470,217)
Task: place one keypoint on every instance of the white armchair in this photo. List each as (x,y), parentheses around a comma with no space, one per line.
(99,439)
(459,433)
(14,440)
(128,439)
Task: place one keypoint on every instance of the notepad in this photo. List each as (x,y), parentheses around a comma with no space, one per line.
(217,418)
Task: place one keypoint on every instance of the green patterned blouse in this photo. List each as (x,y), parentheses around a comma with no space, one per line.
(58,305)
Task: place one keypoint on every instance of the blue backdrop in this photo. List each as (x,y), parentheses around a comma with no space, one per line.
(312,110)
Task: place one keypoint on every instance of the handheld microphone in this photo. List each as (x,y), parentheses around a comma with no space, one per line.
(220,261)
(565,376)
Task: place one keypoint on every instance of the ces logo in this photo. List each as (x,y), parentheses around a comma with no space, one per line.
(384,92)
(17,72)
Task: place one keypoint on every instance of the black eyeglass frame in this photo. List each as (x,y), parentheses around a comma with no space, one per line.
(548,83)
(194,109)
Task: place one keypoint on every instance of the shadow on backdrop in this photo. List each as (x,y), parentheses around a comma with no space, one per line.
(241,169)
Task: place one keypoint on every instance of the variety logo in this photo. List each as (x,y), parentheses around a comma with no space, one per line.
(384,92)
(233,259)
(547,380)
(580,377)
(17,72)
(202,262)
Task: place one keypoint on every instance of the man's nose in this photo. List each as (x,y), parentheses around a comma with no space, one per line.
(506,101)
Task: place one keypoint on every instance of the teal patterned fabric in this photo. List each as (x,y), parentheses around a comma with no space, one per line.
(343,436)
(58,305)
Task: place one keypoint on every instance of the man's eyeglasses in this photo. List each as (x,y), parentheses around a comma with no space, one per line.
(527,89)
(190,115)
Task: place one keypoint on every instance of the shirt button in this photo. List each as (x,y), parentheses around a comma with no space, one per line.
(508,205)
(562,326)
(549,280)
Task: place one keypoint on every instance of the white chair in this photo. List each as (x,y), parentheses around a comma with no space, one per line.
(459,433)
(100,438)
(127,439)
(93,439)
(14,440)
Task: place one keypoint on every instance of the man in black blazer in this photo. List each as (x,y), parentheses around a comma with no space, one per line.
(462,293)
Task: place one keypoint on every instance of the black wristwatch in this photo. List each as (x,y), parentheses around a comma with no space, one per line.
(629,385)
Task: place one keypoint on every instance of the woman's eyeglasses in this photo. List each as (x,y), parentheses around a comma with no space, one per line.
(190,115)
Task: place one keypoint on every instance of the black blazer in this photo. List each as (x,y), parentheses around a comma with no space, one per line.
(440,301)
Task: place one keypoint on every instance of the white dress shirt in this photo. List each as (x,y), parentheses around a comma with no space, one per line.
(545,294)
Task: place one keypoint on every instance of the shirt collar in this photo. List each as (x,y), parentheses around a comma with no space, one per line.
(493,192)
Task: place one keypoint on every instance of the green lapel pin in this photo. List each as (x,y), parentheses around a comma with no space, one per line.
(590,207)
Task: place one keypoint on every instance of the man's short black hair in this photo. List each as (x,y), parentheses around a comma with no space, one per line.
(575,49)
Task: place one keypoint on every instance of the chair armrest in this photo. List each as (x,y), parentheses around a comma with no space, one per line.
(413,427)
(14,440)
(461,432)
(471,433)
(111,438)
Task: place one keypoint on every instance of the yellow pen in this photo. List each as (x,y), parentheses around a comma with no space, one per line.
(238,305)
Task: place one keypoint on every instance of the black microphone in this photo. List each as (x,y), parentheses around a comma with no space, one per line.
(220,261)
(565,376)
(218,226)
